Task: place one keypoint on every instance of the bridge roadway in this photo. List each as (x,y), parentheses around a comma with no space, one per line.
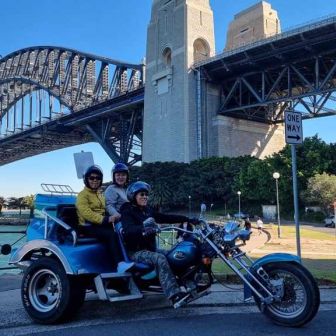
(101,123)
(294,69)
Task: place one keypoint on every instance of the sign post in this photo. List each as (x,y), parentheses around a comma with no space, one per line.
(293,128)
(293,135)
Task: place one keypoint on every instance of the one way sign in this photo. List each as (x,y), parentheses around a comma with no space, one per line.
(293,128)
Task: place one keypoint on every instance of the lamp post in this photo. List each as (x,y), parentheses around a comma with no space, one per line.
(211,205)
(239,193)
(189,206)
(276,176)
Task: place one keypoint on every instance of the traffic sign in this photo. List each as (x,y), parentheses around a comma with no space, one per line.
(293,128)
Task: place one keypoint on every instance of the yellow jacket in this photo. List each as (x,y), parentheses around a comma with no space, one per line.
(90,206)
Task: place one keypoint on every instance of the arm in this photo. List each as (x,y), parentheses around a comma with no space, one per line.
(169,219)
(130,224)
(86,212)
(111,197)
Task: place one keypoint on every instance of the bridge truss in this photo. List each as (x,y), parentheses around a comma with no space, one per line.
(295,70)
(53,97)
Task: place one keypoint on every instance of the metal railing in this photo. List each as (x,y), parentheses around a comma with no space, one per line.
(4,246)
(166,239)
(63,189)
(290,32)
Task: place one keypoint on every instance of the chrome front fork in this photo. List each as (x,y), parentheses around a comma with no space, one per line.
(244,263)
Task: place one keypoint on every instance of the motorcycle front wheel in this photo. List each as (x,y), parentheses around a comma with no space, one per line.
(300,295)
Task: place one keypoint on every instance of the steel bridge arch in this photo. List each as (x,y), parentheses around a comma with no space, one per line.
(73,75)
(81,82)
(34,86)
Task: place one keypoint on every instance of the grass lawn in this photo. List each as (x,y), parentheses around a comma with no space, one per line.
(323,270)
(318,251)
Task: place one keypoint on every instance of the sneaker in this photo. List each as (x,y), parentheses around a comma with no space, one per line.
(124,266)
(201,287)
(179,299)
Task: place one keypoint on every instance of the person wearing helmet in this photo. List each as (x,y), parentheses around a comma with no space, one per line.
(94,222)
(138,222)
(115,194)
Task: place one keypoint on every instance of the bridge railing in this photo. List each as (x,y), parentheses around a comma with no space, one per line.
(43,83)
(290,32)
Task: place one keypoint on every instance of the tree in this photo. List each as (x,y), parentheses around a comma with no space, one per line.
(28,201)
(321,191)
(15,203)
(160,195)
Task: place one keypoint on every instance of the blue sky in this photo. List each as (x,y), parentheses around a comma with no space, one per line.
(116,29)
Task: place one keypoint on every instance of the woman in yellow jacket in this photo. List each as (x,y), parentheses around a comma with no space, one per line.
(93,220)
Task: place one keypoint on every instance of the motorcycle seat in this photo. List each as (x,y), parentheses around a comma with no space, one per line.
(68,214)
(141,267)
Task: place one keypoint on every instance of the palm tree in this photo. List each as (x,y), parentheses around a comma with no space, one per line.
(29,202)
(160,195)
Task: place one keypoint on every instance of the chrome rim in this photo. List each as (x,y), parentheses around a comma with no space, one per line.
(44,290)
(294,299)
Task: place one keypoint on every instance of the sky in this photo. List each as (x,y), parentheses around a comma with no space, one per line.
(115,29)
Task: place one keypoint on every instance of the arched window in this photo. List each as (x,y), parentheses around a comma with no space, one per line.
(201,50)
(167,56)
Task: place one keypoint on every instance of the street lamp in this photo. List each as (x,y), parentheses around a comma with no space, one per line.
(189,206)
(276,176)
(211,205)
(239,193)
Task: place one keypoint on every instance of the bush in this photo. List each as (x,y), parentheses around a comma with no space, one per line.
(317,216)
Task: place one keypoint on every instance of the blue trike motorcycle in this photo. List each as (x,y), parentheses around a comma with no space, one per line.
(60,267)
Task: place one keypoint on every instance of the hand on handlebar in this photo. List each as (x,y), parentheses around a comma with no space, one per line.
(147,231)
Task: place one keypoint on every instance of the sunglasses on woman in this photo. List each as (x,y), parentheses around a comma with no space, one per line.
(94,178)
(142,194)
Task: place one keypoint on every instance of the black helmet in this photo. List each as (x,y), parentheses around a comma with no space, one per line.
(120,168)
(135,188)
(92,170)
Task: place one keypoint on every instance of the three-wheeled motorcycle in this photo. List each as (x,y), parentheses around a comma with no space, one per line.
(60,266)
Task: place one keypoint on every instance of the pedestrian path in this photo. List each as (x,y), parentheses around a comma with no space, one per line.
(256,241)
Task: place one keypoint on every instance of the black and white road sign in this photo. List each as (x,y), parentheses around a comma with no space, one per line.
(293,128)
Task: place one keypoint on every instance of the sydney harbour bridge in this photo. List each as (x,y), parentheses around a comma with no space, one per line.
(54,97)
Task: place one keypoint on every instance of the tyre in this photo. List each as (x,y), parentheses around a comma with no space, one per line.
(300,297)
(48,294)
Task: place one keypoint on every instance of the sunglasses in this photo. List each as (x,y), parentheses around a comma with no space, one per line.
(142,194)
(95,178)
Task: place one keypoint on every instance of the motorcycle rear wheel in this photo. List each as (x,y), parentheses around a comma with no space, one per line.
(48,294)
(301,298)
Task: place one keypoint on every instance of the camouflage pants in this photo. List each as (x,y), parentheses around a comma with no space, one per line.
(162,268)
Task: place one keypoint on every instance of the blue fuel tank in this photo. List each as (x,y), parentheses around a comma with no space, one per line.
(183,255)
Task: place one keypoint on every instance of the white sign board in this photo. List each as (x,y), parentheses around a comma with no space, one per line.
(83,161)
(293,128)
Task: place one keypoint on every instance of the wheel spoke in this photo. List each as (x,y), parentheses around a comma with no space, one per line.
(294,297)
